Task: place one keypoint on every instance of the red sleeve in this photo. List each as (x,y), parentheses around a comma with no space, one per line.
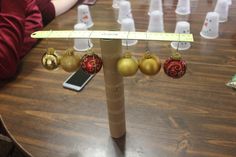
(33,22)
(11,37)
(47,10)
(17,23)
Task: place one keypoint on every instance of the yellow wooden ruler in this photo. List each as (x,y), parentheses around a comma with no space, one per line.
(67,34)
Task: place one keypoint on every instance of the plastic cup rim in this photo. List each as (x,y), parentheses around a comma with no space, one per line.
(78,49)
(130,44)
(208,37)
(179,48)
(181,13)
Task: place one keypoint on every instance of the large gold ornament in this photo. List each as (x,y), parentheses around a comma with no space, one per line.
(70,61)
(50,60)
(150,64)
(127,65)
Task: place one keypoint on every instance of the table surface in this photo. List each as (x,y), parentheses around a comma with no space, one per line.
(194,116)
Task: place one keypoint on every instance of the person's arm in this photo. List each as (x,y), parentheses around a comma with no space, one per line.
(12,18)
(62,6)
(52,8)
(19,18)
(33,22)
(47,10)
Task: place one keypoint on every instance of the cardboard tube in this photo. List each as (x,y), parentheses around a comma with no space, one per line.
(111,52)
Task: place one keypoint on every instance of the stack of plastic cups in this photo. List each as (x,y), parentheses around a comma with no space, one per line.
(128,25)
(156,23)
(84,16)
(210,28)
(222,8)
(124,11)
(82,44)
(155,5)
(182,27)
(183,7)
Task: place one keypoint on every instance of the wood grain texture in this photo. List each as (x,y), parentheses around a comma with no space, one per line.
(194,116)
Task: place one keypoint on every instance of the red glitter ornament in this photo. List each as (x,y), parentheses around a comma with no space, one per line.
(174,66)
(91,63)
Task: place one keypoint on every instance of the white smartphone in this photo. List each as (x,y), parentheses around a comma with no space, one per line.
(77,80)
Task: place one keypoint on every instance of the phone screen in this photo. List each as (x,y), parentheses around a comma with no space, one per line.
(77,80)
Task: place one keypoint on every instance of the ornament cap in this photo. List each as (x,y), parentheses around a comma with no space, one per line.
(176,56)
(50,51)
(70,52)
(147,55)
(127,54)
(90,52)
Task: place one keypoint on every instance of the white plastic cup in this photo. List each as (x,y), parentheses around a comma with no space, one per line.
(124,11)
(116,4)
(183,7)
(84,16)
(210,28)
(182,27)
(82,44)
(222,8)
(229,2)
(155,5)
(156,23)
(128,25)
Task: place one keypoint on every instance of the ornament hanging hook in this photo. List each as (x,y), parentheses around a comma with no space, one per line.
(127,46)
(175,52)
(50,32)
(178,42)
(89,44)
(68,37)
(147,47)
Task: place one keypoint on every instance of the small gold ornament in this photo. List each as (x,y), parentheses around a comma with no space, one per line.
(127,65)
(149,64)
(70,61)
(50,60)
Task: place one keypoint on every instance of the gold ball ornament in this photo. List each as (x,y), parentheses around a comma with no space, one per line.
(150,64)
(127,65)
(78,57)
(70,61)
(50,60)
